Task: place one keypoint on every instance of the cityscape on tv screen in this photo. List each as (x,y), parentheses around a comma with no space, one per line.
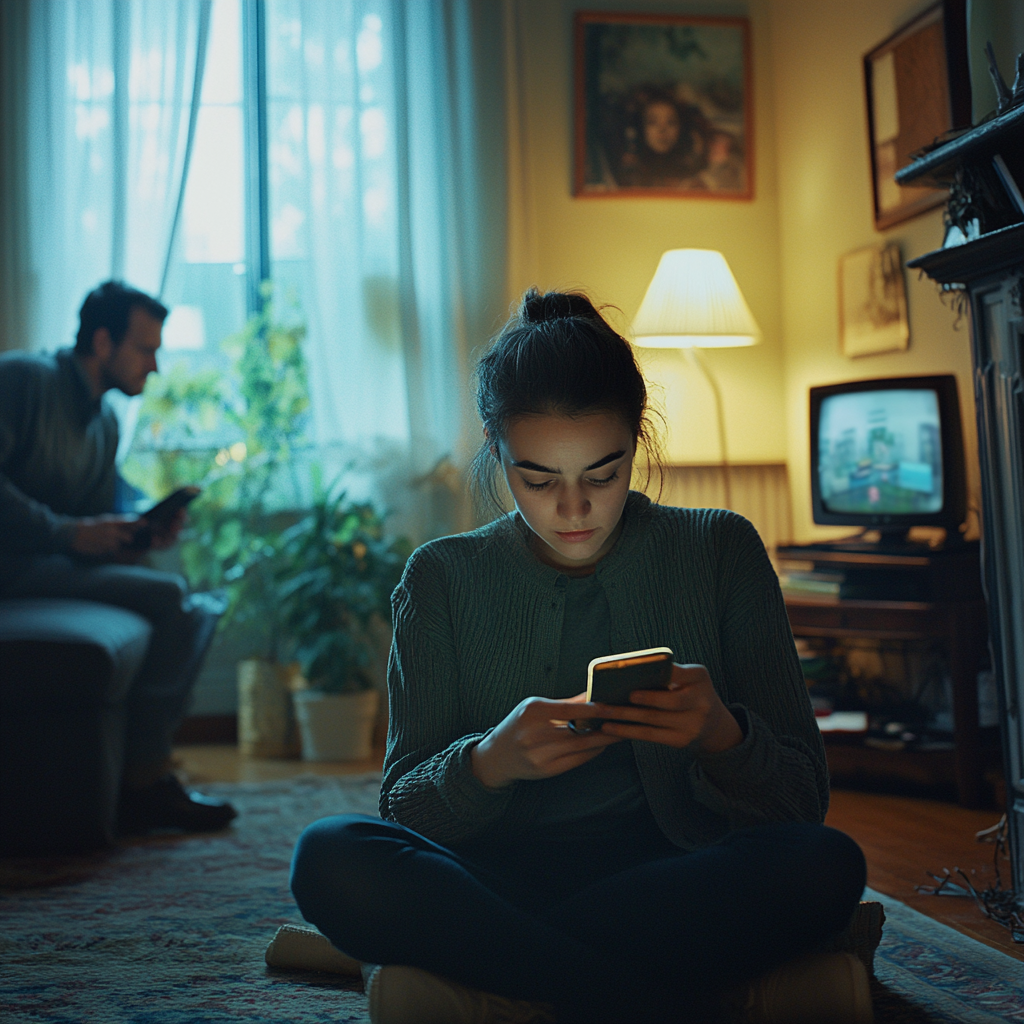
(880,452)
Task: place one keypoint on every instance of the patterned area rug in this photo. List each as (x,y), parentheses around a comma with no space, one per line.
(172,931)
(927,971)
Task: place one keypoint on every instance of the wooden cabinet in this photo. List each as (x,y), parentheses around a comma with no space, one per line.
(961,627)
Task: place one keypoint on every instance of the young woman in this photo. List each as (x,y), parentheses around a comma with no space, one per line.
(523,871)
(666,142)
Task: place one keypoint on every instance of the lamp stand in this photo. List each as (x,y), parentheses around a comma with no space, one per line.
(693,356)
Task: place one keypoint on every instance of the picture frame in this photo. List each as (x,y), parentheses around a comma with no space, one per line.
(918,89)
(664,106)
(872,301)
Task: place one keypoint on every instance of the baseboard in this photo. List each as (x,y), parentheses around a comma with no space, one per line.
(207,729)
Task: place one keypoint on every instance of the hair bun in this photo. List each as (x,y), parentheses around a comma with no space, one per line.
(540,308)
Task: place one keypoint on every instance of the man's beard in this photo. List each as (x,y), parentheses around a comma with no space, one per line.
(112,379)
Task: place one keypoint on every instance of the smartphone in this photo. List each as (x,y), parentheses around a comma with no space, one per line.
(161,515)
(610,680)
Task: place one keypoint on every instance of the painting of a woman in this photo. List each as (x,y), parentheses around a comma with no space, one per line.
(662,106)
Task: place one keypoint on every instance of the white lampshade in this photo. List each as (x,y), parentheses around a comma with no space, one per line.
(694,302)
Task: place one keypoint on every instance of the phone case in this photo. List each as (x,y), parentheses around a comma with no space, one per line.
(161,514)
(610,680)
(164,511)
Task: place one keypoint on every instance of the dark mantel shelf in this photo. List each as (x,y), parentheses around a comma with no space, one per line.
(995,252)
(990,271)
(940,164)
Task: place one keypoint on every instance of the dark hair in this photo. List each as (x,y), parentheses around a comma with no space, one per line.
(110,305)
(556,354)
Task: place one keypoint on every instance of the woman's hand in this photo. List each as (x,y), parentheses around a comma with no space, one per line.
(688,712)
(533,741)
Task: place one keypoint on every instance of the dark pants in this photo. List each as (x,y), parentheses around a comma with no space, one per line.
(182,624)
(607,929)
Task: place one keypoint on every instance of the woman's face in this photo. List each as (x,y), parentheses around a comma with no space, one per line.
(569,477)
(661,127)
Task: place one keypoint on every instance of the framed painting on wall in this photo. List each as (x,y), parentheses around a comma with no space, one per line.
(663,106)
(918,88)
(872,301)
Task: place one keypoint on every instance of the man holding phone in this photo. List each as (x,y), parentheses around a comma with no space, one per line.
(61,535)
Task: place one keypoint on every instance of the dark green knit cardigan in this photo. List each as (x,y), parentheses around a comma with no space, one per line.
(477,619)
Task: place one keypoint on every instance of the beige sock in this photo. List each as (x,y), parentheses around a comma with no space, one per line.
(305,949)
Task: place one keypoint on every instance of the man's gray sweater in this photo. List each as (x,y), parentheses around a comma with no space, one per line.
(57,449)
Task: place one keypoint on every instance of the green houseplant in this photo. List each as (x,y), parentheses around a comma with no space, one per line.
(238,429)
(335,571)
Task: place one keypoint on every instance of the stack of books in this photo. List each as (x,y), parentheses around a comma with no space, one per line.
(814,583)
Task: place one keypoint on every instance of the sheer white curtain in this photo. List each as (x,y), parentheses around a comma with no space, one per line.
(386,152)
(110,86)
(387,208)
(14,280)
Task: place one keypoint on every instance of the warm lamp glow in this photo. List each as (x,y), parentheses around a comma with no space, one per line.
(694,302)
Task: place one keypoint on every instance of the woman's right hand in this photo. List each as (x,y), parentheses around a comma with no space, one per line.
(533,741)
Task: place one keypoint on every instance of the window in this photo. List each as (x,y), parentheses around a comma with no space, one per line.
(206,288)
(293,176)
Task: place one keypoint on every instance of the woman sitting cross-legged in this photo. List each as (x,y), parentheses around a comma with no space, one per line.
(647,871)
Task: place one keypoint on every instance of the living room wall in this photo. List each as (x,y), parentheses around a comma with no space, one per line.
(611,246)
(812,204)
(825,210)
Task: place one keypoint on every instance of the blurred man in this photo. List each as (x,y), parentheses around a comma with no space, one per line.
(60,536)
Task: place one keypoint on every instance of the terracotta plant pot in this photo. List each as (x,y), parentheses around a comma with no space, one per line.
(336,726)
(266,718)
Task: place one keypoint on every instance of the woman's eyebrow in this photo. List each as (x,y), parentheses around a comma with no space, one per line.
(605,460)
(527,464)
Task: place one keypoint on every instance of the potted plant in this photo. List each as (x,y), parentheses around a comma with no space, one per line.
(239,430)
(335,572)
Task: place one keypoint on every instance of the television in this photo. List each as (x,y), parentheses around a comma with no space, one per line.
(887,454)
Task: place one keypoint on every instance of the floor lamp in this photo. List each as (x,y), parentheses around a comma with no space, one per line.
(694,302)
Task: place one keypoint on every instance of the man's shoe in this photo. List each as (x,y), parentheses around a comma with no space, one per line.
(305,949)
(407,995)
(167,804)
(815,989)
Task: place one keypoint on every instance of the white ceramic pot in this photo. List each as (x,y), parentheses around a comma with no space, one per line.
(336,726)
(266,719)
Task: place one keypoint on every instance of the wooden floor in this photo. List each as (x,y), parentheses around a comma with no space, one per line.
(902,837)
(905,839)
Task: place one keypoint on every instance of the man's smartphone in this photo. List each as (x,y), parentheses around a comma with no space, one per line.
(161,515)
(610,680)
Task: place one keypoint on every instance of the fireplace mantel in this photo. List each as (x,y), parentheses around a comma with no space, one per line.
(994,253)
(989,270)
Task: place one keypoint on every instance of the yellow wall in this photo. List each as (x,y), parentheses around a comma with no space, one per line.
(812,204)
(611,246)
(825,210)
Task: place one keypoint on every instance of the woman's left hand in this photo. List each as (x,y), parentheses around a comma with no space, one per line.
(688,712)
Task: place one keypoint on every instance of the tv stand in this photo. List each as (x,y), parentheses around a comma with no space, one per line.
(889,542)
(945,606)
(904,571)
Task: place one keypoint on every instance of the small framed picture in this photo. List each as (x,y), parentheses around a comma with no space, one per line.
(918,89)
(872,301)
(663,106)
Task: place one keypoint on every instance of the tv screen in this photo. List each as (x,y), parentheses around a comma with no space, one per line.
(887,453)
(881,451)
